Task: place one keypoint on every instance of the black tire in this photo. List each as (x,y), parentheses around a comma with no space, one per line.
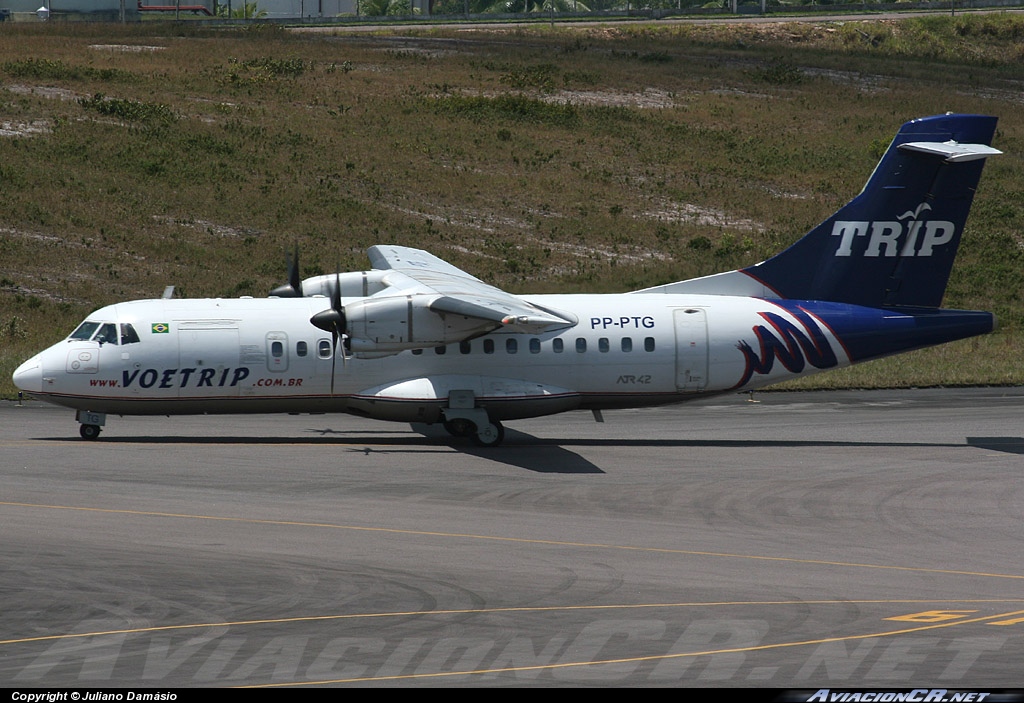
(459,427)
(89,432)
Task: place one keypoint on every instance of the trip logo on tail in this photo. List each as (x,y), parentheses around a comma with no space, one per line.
(793,347)
(885,235)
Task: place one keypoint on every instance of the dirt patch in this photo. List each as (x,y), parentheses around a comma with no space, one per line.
(867,83)
(44,91)
(648,98)
(207,226)
(462,217)
(694,214)
(127,48)
(1010,96)
(25,129)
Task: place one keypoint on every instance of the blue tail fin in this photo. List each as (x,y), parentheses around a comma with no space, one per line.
(894,244)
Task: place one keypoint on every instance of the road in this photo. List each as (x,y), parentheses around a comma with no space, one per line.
(802,540)
(483,24)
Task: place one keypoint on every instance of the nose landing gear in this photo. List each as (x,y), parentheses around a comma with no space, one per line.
(89,432)
(92,424)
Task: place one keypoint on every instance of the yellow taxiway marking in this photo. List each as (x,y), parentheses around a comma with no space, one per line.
(517,540)
(1011,621)
(538,609)
(638,660)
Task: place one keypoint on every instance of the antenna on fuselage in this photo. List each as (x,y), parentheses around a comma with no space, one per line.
(168,293)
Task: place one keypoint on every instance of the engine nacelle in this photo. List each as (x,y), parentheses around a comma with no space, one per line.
(354,284)
(395,323)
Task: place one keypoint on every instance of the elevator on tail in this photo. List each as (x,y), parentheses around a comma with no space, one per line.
(415,339)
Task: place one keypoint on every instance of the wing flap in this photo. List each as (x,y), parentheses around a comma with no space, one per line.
(416,272)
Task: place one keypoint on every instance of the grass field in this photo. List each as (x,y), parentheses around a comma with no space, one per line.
(547,159)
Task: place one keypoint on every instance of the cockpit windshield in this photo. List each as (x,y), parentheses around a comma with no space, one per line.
(128,334)
(105,333)
(85,330)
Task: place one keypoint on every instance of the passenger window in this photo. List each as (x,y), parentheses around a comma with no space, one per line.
(581,345)
(603,346)
(301,349)
(627,344)
(107,334)
(535,346)
(323,349)
(276,350)
(557,345)
(649,344)
(128,334)
(488,346)
(511,346)
(465,347)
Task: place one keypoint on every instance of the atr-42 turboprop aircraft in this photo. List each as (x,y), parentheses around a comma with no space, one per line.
(418,340)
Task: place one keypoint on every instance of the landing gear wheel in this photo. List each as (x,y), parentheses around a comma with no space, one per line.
(89,432)
(459,427)
(489,435)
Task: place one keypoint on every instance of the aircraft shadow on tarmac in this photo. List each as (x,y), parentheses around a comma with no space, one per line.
(526,451)
(1010,445)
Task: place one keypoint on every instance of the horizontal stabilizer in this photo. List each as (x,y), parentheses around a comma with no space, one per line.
(951,151)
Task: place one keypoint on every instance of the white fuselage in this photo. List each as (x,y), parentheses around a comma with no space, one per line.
(263,355)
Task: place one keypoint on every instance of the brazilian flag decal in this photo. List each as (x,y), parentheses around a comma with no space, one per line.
(160,328)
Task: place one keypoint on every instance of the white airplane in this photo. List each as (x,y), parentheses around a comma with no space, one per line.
(418,340)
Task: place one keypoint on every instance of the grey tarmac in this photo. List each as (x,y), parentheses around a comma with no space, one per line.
(789,540)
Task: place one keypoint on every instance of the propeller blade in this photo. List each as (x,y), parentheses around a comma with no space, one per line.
(293,288)
(294,273)
(333,321)
(336,295)
(342,324)
(334,358)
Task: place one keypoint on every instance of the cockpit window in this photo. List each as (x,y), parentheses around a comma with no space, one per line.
(85,330)
(107,334)
(128,334)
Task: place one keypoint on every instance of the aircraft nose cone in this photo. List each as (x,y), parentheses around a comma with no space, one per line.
(29,376)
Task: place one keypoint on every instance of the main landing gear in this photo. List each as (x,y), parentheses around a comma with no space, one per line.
(92,424)
(463,419)
(488,434)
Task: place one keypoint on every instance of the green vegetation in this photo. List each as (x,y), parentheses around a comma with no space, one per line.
(45,69)
(247,11)
(545,159)
(131,110)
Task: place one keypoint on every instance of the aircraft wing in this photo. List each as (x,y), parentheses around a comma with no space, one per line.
(453,291)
